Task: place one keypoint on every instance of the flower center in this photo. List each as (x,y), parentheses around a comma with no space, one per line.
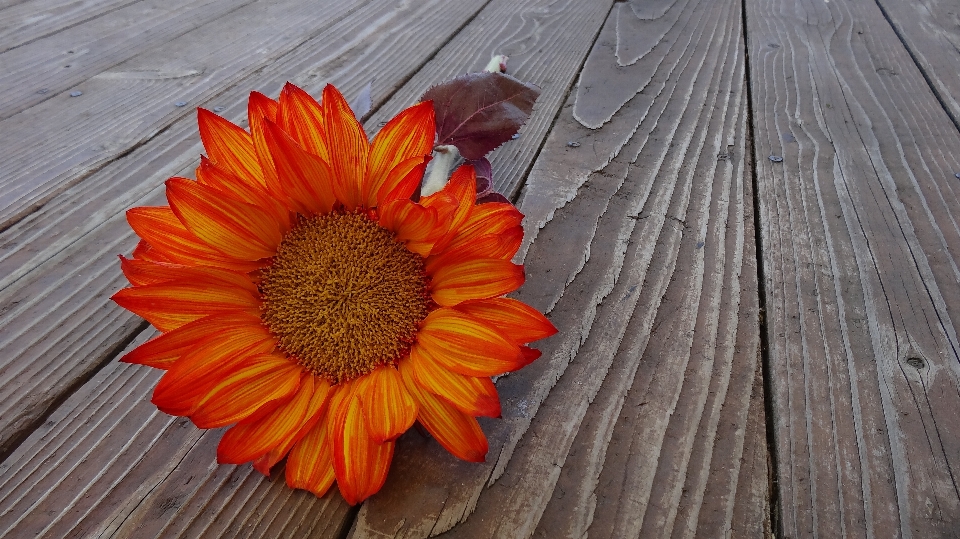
(343,296)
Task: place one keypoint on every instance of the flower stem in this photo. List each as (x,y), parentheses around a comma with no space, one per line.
(445,155)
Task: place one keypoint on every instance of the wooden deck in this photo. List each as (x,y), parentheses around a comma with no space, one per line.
(742,215)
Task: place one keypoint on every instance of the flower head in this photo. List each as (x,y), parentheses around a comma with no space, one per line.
(305,298)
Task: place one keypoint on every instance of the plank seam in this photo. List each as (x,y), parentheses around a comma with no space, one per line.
(766,367)
(29,429)
(518,189)
(69,26)
(916,62)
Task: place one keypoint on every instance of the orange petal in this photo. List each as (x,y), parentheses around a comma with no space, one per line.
(310,466)
(237,229)
(261,381)
(144,251)
(457,432)
(500,246)
(454,202)
(412,223)
(405,179)
(464,345)
(163,351)
(315,414)
(258,434)
(485,219)
(217,177)
(302,118)
(472,395)
(360,462)
(408,137)
(261,108)
(161,228)
(229,146)
(387,407)
(190,380)
(170,305)
(514,319)
(460,281)
(144,272)
(304,179)
(348,147)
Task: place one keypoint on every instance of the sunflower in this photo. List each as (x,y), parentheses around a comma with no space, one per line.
(305,298)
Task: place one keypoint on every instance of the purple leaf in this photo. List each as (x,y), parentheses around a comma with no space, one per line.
(484,176)
(480,111)
(493,197)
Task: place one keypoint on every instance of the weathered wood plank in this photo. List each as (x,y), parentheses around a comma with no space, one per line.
(43,69)
(25,22)
(56,320)
(640,243)
(130,103)
(860,243)
(929,30)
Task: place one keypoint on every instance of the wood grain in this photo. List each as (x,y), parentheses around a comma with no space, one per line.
(50,65)
(930,31)
(859,242)
(57,323)
(28,21)
(127,105)
(648,271)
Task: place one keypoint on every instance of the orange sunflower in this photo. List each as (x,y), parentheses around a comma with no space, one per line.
(303,297)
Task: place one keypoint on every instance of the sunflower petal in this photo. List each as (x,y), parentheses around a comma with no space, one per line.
(457,432)
(258,434)
(170,305)
(263,381)
(514,319)
(162,351)
(485,219)
(305,180)
(164,232)
(315,416)
(260,109)
(348,147)
(405,179)
(408,137)
(469,279)
(500,246)
(472,395)
(310,466)
(237,229)
(236,188)
(144,272)
(412,223)
(387,407)
(300,116)
(465,345)
(360,462)
(197,373)
(229,146)
(454,202)
(144,251)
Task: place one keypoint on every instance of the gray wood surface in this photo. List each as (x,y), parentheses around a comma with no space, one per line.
(860,241)
(646,266)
